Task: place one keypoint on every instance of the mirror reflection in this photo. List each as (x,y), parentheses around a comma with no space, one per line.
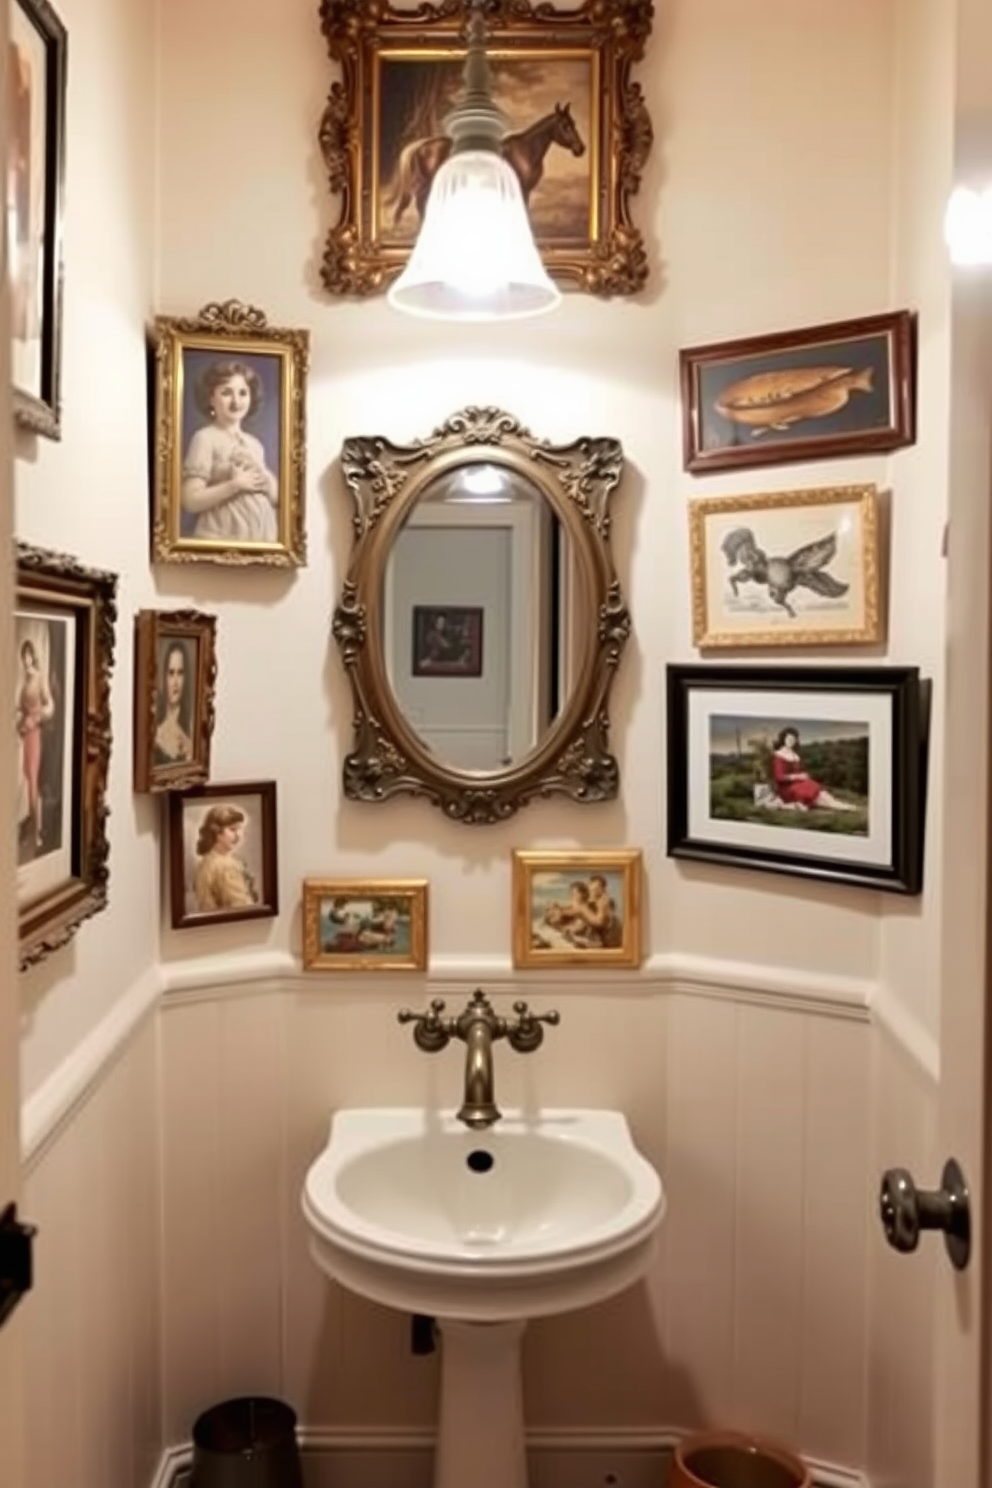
(479,602)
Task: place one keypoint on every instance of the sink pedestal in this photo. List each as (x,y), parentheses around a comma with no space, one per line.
(480,1438)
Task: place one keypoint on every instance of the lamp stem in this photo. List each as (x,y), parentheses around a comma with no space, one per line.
(475,123)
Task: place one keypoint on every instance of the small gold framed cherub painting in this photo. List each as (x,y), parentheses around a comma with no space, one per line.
(577,908)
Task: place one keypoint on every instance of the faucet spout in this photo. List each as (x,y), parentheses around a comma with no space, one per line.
(479,1109)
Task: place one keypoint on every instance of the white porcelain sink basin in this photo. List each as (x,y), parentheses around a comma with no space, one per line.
(542,1213)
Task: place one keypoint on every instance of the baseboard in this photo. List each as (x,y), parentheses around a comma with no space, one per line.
(555,1459)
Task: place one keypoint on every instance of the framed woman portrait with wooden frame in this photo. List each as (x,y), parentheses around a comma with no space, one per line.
(64,636)
(175,675)
(229,442)
(578,131)
(223,863)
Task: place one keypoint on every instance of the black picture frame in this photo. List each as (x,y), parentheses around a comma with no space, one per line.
(35,248)
(843,388)
(455,651)
(866,718)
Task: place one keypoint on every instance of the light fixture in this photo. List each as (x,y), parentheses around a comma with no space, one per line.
(968,225)
(475,257)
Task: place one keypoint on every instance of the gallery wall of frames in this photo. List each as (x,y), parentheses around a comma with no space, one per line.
(813,770)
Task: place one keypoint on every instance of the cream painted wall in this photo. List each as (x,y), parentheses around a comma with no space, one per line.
(243,211)
(88,494)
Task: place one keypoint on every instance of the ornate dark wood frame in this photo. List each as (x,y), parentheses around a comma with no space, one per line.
(150,627)
(614,262)
(56,579)
(228,328)
(41,410)
(385,480)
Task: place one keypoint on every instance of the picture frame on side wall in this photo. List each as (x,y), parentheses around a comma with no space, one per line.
(36,76)
(786,568)
(813,771)
(377,924)
(223,861)
(844,388)
(175,677)
(577,908)
(579,132)
(64,620)
(229,457)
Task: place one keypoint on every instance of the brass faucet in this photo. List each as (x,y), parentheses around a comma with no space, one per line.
(478,1026)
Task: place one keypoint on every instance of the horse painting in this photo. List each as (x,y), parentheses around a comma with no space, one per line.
(524,150)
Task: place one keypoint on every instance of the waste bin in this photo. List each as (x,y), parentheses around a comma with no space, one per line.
(727,1459)
(246,1443)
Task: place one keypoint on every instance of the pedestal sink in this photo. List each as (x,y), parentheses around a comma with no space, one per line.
(548,1211)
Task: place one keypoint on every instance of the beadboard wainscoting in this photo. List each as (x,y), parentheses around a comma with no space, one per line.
(173,1270)
(92,1324)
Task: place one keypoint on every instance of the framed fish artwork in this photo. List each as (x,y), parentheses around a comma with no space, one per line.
(846,388)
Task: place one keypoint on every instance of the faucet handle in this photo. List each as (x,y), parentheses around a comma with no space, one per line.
(429,1031)
(527,1034)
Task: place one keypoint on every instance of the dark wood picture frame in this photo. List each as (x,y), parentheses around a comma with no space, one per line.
(789,828)
(844,388)
(68,881)
(35,263)
(607,256)
(172,742)
(264,884)
(466,624)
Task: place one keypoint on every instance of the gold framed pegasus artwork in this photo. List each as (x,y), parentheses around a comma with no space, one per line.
(579,131)
(846,388)
(786,568)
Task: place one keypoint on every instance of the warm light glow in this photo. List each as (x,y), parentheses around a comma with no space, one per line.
(968,225)
(475,258)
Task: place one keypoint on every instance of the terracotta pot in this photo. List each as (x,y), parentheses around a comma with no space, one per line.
(727,1459)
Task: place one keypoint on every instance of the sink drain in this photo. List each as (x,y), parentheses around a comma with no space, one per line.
(479,1161)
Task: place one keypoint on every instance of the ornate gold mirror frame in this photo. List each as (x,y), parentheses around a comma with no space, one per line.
(388,757)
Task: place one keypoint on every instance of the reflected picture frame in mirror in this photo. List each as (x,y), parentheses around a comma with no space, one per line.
(571,757)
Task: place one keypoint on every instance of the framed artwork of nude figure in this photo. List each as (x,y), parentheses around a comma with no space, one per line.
(229,439)
(175,676)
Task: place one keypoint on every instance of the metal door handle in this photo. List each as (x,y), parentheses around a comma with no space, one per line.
(907,1210)
(15,1261)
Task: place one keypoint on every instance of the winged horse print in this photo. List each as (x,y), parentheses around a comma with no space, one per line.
(525,149)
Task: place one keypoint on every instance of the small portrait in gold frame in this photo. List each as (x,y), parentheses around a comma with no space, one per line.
(364,924)
(577,908)
(175,676)
(787,568)
(229,439)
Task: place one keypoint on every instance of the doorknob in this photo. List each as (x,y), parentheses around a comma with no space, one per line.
(15,1260)
(906,1210)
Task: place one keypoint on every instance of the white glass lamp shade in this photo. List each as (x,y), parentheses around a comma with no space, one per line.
(475,258)
(968,225)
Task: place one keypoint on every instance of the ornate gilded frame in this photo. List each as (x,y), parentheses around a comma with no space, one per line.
(385,480)
(230,332)
(787,536)
(54,589)
(610,259)
(410,891)
(156,632)
(620,868)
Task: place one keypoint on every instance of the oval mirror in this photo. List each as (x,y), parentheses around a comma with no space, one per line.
(481,621)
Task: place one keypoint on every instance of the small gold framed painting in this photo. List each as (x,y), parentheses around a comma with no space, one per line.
(175,673)
(229,439)
(790,568)
(577,908)
(364,924)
